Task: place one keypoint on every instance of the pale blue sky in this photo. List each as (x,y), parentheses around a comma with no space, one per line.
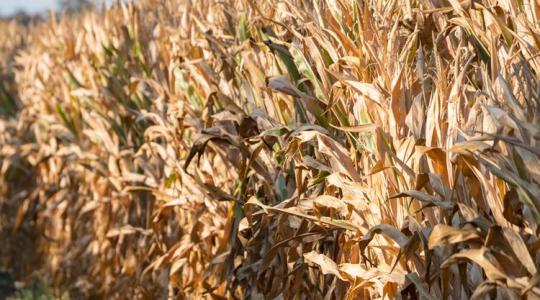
(8,7)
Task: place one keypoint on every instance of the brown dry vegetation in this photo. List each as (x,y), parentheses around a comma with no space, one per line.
(281,149)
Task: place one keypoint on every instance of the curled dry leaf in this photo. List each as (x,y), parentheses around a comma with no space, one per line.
(327,265)
(443,235)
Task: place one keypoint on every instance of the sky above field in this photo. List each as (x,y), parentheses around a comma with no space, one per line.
(9,7)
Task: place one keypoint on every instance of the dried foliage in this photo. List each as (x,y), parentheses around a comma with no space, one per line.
(280,149)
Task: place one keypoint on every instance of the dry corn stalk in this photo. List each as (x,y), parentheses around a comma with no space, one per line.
(313,149)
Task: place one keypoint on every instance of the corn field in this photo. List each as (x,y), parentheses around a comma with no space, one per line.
(278,149)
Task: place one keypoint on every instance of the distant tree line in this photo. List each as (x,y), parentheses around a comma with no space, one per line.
(72,6)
